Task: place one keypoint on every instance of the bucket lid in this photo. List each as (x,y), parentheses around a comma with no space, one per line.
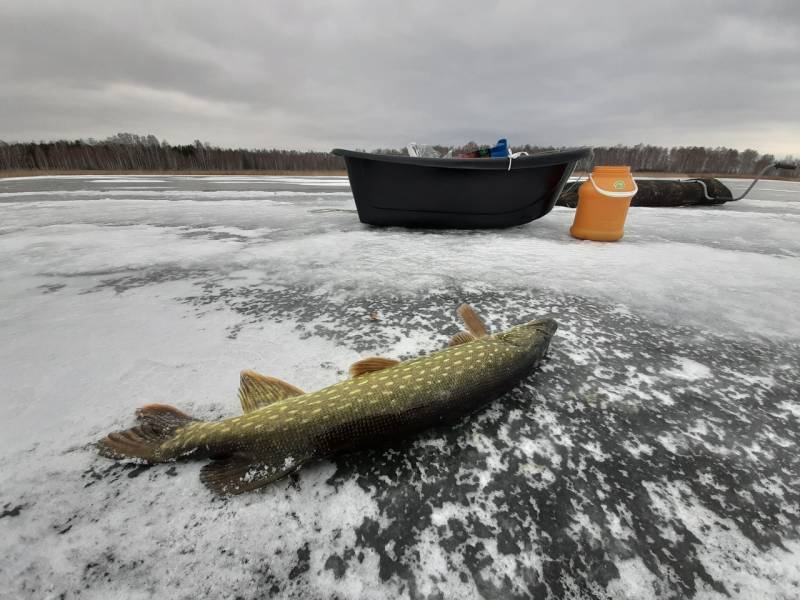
(614,181)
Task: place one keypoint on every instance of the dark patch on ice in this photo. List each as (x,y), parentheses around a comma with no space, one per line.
(11,511)
(211,234)
(303,554)
(595,476)
(351,325)
(265,579)
(112,471)
(107,567)
(149,277)
(631,436)
(138,470)
(90,273)
(49,288)
(336,564)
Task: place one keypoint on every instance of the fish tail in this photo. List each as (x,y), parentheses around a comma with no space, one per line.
(158,423)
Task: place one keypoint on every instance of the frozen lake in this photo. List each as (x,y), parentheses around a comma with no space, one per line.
(654,455)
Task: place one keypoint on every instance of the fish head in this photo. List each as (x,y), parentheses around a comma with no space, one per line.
(529,339)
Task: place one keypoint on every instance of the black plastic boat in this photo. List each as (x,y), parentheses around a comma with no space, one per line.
(465,193)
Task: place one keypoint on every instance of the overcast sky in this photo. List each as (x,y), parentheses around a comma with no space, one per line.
(380,74)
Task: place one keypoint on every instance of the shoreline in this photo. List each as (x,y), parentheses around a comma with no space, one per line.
(314,173)
(99,172)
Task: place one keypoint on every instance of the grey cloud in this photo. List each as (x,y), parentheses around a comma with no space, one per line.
(369,74)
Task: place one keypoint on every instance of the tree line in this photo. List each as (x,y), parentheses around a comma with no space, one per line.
(659,159)
(130,152)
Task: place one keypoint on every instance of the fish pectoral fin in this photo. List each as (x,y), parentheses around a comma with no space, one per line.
(241,472)
(370,365)
(462,337)
(257,391)
(473,322)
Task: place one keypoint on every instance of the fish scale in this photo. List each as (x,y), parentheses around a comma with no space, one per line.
(283,428)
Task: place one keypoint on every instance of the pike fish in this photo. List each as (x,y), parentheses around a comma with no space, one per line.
(283,428)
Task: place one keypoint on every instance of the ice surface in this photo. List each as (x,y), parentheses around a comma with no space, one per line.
(654,455)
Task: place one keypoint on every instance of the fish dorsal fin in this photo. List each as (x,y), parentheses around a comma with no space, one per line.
(462,337)
(257,391)
(370,365)
(241,472)
(473,322)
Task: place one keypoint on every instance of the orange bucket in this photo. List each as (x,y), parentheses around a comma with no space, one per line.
(603,203)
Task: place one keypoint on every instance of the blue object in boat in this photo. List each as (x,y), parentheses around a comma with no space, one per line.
(500,150)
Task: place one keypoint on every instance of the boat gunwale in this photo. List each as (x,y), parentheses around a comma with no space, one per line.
(540,159)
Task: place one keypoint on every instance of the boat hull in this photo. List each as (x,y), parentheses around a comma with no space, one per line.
(457,193)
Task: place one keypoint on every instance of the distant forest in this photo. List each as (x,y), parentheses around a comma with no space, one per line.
(130,152)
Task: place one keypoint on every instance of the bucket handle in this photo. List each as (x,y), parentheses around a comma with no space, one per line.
(615,194)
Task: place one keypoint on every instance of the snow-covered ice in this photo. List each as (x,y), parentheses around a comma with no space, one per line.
(653,455)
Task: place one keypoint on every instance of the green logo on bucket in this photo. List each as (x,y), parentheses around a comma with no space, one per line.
(619,184)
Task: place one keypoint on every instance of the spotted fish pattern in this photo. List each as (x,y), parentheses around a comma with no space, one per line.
(283,428)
